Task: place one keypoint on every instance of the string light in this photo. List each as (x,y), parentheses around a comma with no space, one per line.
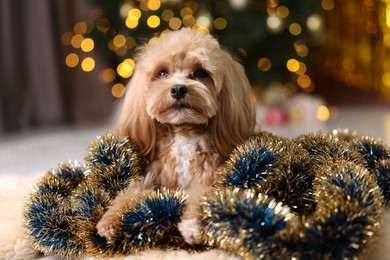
(154,5)
(274,23)
(119,41)
(264,64)
(66,38)
(295,29)
(72,60)
(107,75)
(323,113)
(293,65)
(76,41)
(175,23)
(304,81)
(203,19)
(189,20)
(118,90)
(167,15)
(220,23)
(153,21)
(188,14)
(87,45)
(131,22)
(314,22)
(282,11)
(88,64)
(80,28)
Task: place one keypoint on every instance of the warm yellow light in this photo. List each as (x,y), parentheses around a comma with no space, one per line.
(80,28)
(167,15)
(87,45)
(66,38)
(323,113)
(119,40)
(125,9)
(282,11)
(88,64)
(76,41)
(118,90)
(72,60)
(304,81)
(186,11)
(295,29)
(153,21)
(302,69)
(135,12)
(200,28)
(327,5)
(130,43)
(386,78)
(301,48)
(220,23)
(175,23)
(108,75)
(274,23)
(264,64)
(154,5)
(203,21)
(189,20)
(314,22)
(121,51)
(124,70)
(130,62)
(131,22)
(293,65)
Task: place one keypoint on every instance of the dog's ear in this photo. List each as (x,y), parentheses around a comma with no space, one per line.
(133,120)
(236,117)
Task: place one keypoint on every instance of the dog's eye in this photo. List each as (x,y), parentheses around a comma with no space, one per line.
(162,74)
(201,73)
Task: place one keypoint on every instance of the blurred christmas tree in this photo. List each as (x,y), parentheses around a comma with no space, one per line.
(271,38)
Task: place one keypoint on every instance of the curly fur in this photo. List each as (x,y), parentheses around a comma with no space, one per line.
(186,140)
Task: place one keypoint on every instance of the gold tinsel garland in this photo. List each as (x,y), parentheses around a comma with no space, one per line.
(319,195)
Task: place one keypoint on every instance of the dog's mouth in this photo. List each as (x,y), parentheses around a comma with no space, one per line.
(180,106)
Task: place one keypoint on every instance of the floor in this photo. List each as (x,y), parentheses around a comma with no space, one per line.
(36,151)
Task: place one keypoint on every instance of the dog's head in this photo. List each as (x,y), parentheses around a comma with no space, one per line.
(184,77)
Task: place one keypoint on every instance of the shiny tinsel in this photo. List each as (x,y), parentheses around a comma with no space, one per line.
(372,149)
(253,161)
(143,222)
(319,196)
(382,176)
(349,208)
(291,182)
(48,213)
(241,221)
(146,221)
(112,162)
(326,147)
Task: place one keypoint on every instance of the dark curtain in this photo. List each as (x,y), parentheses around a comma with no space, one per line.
(36,88)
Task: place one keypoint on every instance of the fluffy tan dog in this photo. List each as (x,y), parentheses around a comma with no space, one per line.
(187,106)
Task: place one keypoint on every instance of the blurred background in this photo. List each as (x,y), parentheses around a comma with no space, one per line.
(313,64)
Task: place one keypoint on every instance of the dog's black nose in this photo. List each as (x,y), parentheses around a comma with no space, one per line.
(178,91)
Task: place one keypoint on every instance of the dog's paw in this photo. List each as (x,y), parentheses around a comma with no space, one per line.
(106,226)
(189,229)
